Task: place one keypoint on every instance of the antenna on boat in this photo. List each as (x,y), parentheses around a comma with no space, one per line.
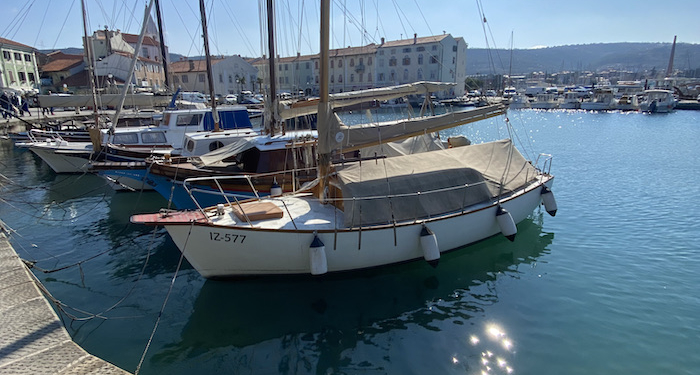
(210,79)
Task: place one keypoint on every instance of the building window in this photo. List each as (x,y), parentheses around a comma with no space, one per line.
(144,52)
(286,67)
(184,78)
(420,74)
(230,79)
(18,56)
(316,64)
(381,63)
(420,49)
(332,78)
(22,78)
(381,77)
(31,77)
(454,48)
(432,74)
(406,60)
(308,65)
(340,78)
(221,78)
(286,79)
(12,77)
(406,50)
(176,79)
(352,77)
(332,64)
(340,63)
(27,57)
(393,51)
(201,77)
(433,59)
(381,53)
(369,60)
(434,48)
(352,62)
(392,61)
(296,66)
(393,76)
(360,63)
(6,55)
(280,69)
(420,59)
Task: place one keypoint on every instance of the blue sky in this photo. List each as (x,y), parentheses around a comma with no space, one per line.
(235,24)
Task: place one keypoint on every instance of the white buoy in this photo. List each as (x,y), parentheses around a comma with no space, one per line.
(317,257)
(550,204)
(275,189)
(220,209)
(428,241)
(506,222)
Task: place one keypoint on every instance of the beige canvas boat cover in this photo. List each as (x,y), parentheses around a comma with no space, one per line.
(289,109)
(392,183)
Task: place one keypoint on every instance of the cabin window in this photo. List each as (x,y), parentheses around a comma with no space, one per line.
(215,145)
(190,145)
(126,138)
(153,137)
(188,120)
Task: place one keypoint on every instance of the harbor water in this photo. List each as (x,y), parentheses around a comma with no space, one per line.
(608,286)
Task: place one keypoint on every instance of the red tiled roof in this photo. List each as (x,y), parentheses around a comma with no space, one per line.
(134,39)
(62,64)
(13,43)
(421,40)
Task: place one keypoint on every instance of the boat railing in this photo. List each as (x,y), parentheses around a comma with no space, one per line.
(543,163)
(237,199)
(38,135)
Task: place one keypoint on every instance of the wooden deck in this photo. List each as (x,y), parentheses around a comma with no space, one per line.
(32,338)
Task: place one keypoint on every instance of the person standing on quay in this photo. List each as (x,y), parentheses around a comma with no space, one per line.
(25,105)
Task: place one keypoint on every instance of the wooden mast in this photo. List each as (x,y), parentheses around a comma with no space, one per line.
(271,119)
(324,110)
(205,35)
(95,135)
(163,52)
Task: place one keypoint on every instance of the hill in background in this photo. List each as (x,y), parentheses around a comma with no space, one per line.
(589,57)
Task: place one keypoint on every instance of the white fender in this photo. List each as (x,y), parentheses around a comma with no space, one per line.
(275,189)
(550,204)
(506,223)
(317,257)
(428,241)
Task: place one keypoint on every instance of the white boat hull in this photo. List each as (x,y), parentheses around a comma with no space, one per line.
(228,251)
(74,161)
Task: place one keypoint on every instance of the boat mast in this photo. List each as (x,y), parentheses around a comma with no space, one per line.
(94,134)
(163,52)
(271,119)
(205,35)
(324,109)
(130,76)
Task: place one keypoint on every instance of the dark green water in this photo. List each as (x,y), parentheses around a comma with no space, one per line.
(608,286)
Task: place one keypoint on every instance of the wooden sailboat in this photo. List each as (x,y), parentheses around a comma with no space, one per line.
(362,215)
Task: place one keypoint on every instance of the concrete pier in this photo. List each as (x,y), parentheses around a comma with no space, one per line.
(32,338)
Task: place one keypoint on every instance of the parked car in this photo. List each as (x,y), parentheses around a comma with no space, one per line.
(231,99)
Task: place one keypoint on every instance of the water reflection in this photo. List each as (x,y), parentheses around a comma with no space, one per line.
(321,319)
